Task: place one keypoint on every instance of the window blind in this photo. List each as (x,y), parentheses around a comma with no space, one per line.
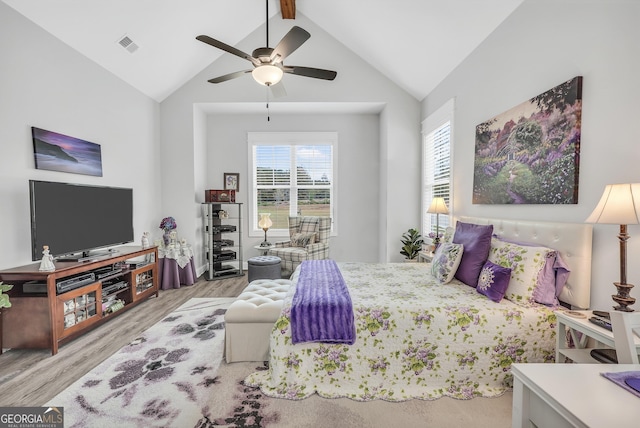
(292,174)
(437,154)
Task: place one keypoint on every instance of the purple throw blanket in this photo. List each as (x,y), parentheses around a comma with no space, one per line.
(321,310)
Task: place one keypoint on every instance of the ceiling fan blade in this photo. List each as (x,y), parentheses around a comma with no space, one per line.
(278,90)
(228,76)
(316,73)
(289,43)
(225,47)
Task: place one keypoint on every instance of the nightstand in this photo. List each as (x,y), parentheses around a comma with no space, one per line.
(265,250)
(581,331)
(425,256)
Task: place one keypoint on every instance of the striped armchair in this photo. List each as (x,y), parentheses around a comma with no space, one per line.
(309,240)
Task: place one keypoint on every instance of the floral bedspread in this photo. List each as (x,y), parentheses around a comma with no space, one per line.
(415,339)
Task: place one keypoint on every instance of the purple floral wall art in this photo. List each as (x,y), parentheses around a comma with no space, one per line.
(58,152)
(530,154)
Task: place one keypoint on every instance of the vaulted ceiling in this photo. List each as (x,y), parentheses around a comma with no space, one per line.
(151,43)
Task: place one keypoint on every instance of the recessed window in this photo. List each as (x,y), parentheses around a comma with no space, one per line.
(292,173)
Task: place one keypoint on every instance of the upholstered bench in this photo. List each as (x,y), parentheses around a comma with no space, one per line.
(264,267)
(250,319)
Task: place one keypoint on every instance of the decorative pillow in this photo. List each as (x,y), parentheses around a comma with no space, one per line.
(551,279)
(448,234)
(526,265)
(446,261)
(561,268)
(493,281)
(303,239)
(476,240)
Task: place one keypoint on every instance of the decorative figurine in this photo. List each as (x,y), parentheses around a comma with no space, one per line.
(145,240)
(47,260)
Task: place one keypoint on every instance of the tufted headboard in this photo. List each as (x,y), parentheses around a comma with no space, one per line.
(572,240)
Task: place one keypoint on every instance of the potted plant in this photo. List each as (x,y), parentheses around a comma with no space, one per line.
(411,244)
(4,303)
(4,298)
(435,240)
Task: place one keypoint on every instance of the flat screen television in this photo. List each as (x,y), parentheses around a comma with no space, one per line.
(74,219)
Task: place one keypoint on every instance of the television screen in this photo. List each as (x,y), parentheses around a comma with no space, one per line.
(73,218)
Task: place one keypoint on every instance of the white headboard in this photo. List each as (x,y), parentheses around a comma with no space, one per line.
(572,240)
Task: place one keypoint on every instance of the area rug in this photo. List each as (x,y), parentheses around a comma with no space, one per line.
(166,377)
(236,405)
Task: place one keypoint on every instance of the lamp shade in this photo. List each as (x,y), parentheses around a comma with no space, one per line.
(267,74)
(265,221)
(438,206)
(619,204)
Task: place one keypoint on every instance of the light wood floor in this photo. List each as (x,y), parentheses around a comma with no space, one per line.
(32,377)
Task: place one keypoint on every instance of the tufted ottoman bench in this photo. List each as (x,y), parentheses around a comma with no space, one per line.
(250,319)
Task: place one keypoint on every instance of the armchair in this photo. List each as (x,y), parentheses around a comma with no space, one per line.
(309,240)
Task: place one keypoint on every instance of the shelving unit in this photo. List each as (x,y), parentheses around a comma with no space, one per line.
(42,317)
(223,239)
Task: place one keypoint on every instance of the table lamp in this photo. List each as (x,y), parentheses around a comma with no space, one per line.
(437,207)
(620,204)
(265,223)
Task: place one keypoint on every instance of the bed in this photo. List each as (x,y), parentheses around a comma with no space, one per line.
(419,338)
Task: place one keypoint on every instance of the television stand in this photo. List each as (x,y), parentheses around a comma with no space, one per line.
(41,317)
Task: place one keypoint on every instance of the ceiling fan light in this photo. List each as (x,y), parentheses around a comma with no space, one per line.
(267,74)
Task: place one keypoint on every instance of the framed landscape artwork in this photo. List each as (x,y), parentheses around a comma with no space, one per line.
(58,152)
(530,154)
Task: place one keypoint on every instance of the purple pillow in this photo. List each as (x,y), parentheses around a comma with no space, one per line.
(562,273)
(551,280)
(493,281)
(476,239)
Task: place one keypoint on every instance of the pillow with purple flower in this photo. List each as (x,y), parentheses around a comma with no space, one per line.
(446,261)
(493,281)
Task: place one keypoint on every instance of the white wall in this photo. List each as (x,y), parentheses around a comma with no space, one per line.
(46,84)
(395,182)
(358,149)
(542,44)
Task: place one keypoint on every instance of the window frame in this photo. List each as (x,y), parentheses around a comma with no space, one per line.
(289,139)
(433,123)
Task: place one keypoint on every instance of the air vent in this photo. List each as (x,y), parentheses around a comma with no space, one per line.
(128,44)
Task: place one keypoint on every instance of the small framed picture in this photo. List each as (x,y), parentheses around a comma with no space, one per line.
(231,181)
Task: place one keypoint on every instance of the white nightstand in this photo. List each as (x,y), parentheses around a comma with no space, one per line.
(587,330)
(265,250)
(425,256)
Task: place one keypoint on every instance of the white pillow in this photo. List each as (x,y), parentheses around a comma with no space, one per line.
(448,234)
(525,262)
(446,261)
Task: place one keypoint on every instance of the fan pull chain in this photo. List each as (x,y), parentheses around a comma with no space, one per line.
(268,116)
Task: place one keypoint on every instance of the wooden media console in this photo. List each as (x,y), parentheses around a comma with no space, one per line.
(51,308)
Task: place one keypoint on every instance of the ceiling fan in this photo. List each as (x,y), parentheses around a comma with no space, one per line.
(268,66)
